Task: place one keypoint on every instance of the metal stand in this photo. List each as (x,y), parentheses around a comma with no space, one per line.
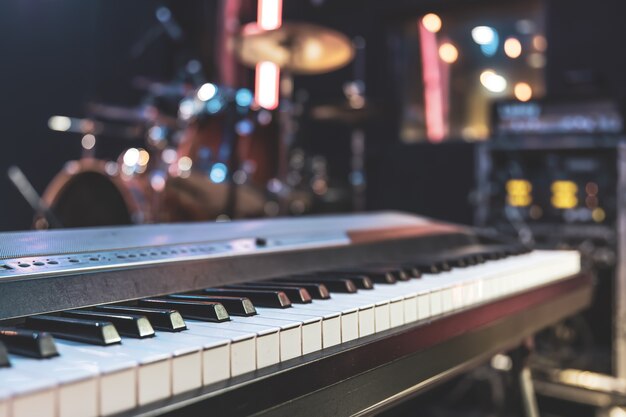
(523,382)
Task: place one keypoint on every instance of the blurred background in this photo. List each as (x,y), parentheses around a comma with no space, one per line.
(66,57)
(503,115)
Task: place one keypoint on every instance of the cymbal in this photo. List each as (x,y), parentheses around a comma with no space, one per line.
(300,48)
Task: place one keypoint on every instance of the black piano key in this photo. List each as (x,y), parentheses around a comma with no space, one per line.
(97,332)
(317,291)
(161,318)
(296,295)
(4,356)
(25,342)
(236,306)
(378,276)
(361,281)
(260,298)
(400,273)
(334,285)
(412,271)
(131,325)
(434,264)
(197,310)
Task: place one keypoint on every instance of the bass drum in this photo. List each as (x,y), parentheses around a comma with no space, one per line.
(90,193)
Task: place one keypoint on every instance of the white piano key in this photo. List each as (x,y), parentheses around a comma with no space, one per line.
(31,395)
(424,306)
(77,383)
(346,304)
(117,379)
(267,339)
(331,323)
(349,317)
(290,333)
(154,372)
(4,402)
(311,326)
(243,350)
(186,362)
(215,354)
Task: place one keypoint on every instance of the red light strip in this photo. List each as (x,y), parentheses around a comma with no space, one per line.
(433,91)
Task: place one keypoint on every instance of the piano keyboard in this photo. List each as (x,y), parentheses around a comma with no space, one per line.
(102,360)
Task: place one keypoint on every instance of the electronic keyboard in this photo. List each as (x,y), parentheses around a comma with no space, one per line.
(328,315)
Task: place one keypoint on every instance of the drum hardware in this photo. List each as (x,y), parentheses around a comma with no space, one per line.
(218,154)
(32,197)
(299,49)
(353,112)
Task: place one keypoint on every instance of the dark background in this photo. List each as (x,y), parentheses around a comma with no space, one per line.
(56,55)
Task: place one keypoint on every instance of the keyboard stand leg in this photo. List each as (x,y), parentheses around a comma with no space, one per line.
(524,380)
(528,393)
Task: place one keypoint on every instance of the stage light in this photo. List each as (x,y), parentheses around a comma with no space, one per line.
(157,182)
(591,188)
(214,106)
(218,173)
(564,194)
(431,22)
(206,92)
(448,53)
(144,157)
(523,91)
(267,80)
(244,97)
(185,163)
(512,48)
(598,215)
(60,123)
(169,156)
(131,157)
(186,109)
(88,141)
(540,43)
(269,14)
(483,35)
(519,193)
(434,100)
(492,81)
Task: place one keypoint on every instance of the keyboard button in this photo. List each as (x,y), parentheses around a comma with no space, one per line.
(26,342)
(87,331)
(260,298)
(235,306)
(130,325)
(161,319)
(197,310)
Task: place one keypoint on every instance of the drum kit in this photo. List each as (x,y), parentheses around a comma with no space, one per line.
(217,155)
